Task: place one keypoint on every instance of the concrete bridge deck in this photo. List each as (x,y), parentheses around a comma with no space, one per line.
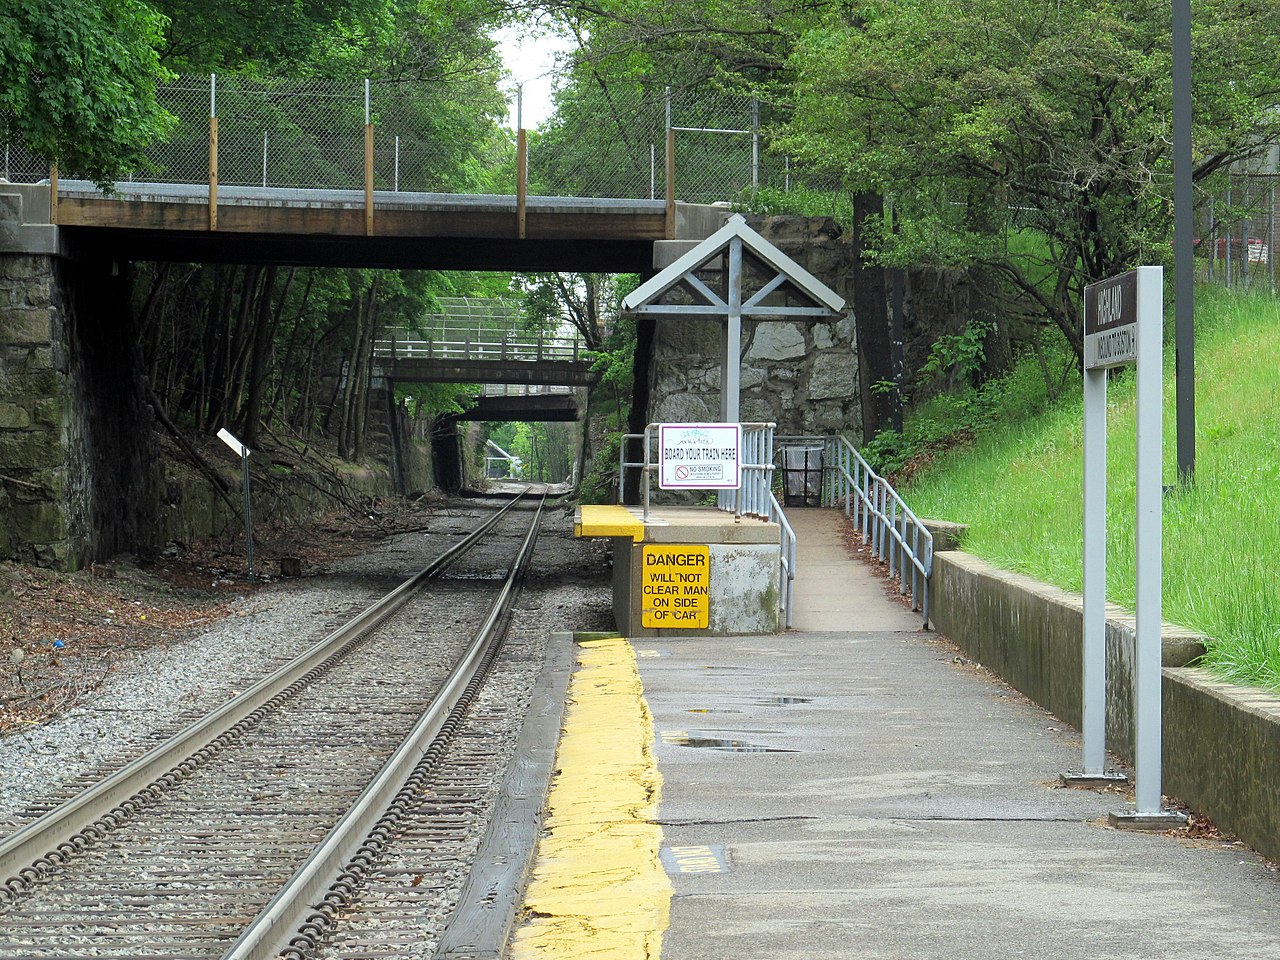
(298,226)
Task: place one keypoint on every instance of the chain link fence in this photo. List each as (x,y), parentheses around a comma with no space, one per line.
(1238,231)
(451,138)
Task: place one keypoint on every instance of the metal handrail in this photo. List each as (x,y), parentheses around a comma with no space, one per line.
(753,498)
(787,563)
(884,520)
(530,348)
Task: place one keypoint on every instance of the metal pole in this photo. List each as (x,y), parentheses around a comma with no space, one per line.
(1213,242)
(520,106)
(755,143)
(1227,255)
(395,183)
(1183,240)
(653,171)
(264,158)
(1094,646)
(248,512)
(1147,689)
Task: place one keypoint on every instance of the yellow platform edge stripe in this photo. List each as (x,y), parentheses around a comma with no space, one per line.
(598,887)
(607,520)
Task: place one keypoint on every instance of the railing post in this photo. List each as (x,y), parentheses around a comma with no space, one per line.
(368,164)
(882,506)
(915,569)
(53,193)
(893,546)
(906,551)
(213,152)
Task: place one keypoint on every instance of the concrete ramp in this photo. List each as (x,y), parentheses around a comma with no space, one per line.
(836,590)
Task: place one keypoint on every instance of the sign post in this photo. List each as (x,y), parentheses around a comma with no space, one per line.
(1123,323)
(242,451)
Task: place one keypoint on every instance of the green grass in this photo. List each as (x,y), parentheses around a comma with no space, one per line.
(1019,488)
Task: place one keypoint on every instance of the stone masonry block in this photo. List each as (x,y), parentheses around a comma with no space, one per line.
(27,326)
(14,416)
(22,266)
(39,293)
(48,411)
(31,450)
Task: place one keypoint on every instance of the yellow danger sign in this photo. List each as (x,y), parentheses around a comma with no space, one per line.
(675,586)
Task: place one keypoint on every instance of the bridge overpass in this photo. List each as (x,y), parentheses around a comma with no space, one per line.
(347,228)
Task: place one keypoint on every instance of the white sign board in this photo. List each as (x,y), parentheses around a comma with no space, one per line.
(699,456)
(227,437)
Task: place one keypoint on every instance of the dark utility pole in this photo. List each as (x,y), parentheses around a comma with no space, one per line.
(1183,251)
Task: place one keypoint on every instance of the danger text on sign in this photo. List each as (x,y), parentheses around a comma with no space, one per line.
(675,586)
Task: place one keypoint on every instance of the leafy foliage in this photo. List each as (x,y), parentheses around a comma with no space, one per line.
(975,115)
(78,82)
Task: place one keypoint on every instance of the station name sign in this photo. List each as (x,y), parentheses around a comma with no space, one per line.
(699,456)
(1111,322)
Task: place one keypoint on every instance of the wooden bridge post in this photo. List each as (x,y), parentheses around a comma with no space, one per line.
(522,181)
(53,193)
(213,152)
(670,229)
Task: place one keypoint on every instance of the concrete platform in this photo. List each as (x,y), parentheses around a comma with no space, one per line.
(865,792)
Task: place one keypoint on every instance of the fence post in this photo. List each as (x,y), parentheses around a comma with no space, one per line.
(522,165)
(755,143)
(213,152)
(368,164)
(264,158)
(1272,233)
(395,180)
(1213,242)
(53,193)
(670,231)
(1227,264)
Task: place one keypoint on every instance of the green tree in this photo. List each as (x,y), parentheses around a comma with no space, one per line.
(990,120)
(78,82)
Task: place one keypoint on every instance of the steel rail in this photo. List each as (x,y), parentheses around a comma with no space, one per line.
(280,923)
(59,835)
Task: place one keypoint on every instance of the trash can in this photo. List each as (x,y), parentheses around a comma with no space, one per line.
(802,475)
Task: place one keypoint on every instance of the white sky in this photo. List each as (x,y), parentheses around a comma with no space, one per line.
(530,60)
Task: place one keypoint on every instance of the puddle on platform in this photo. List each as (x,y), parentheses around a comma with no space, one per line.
(780,701)
(711,710)
(731,745)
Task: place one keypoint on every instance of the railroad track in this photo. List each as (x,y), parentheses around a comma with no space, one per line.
(251,834)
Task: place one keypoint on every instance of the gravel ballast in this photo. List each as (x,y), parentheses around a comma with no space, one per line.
(148,695)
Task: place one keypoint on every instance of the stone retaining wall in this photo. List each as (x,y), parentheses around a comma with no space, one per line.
(41,456)
(1221,742)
